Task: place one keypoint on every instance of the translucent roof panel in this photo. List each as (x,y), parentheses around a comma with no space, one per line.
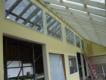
(100,1)
(59,6)
(96,8)
(97,11)
(98,18)
(69,1)
(78,1)
(84,16)
(65,3)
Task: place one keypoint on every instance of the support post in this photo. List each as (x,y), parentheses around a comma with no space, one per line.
(63,33)
(44,22)
(1,58)
(34,70)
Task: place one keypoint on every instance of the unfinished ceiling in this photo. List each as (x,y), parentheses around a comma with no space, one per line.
(87,17)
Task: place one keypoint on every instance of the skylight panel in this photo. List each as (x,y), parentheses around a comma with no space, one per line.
(77,10)
(100,1)
(78,1)
(75,3)
(97,11)
(60,6)
(98,18)
(95,8)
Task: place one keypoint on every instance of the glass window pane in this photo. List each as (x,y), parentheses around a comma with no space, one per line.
(13,64)
(53,27)
(78,42)
(29,11)
(56,67)
(27,64)
(28,71)
(39,13)
(9,3)
(11,17)
(24,12)
(20,21)
(38,21)
(21,7)
(82,44)
(13,72)
(29,25)
(69,36)
(104,66)
(72,64)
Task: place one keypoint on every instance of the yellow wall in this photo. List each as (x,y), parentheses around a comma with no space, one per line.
(93,49)
(88,48)
(98,50)
(53,45)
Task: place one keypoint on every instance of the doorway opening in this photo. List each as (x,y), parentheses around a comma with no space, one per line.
(22,60)
(82,66)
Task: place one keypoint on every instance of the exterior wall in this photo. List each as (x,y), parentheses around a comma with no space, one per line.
(51,44)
